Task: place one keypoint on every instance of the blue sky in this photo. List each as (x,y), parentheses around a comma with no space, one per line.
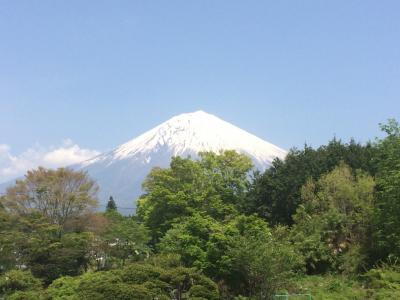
(89,75)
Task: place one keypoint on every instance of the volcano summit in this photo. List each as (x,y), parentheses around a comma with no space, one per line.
(121,171)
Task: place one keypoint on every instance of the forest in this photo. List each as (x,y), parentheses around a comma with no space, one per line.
(323,222)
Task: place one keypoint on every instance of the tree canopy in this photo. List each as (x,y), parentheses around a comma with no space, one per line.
(216,185)
(62,196)
(276,193)
(323,221)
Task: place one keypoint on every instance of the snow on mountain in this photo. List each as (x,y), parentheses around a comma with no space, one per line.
(121,171)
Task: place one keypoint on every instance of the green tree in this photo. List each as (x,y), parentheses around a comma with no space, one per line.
(68,255)
(387,234)
(43,223)
(276,194)
(190,238)
(111,205)
(32,242)
(23,238)
(333,225)
(123,240)
(244,254)
(62,196)
(37,245)
(8,253)
(260,265)
(215,185)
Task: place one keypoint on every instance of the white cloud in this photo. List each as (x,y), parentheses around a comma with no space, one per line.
(12,166)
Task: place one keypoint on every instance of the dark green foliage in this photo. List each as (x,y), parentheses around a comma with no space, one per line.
(111,205)
(65,256)
(8,255)
(123,240)
(42,222)
(387,235)
(244,253)
(33,242)
(275,195)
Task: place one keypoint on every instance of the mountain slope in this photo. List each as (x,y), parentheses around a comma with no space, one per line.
(121,171)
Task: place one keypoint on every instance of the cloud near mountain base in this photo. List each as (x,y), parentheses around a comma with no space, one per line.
(15,165)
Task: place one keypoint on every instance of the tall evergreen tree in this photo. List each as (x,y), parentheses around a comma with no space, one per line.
(111,205)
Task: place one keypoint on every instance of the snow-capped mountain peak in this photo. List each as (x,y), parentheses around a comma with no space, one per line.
(121,171)
(191,133)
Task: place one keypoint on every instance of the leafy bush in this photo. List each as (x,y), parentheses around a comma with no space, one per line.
(64,288)
(135,281)
(21,285)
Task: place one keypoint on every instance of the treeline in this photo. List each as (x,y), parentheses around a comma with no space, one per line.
(323,221)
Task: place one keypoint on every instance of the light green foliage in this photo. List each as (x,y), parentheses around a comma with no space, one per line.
(64,288)
(136,281)
(331,287)
(62,196)
(215,185)
(227,174)
(17,284)
(334,220)
(384,281)
(190,239)
(377,284)
(165,260)
(37,295)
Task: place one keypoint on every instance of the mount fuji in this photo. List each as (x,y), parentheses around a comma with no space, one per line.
(121,171)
